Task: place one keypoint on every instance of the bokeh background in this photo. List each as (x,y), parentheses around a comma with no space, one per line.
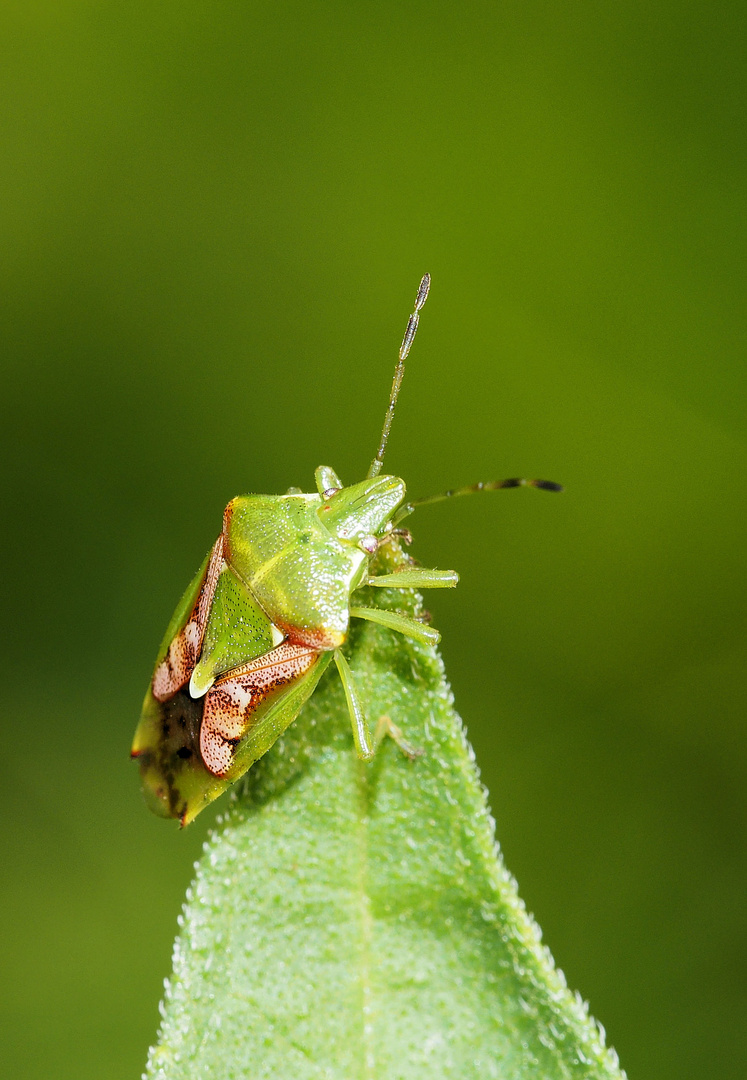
(214,218)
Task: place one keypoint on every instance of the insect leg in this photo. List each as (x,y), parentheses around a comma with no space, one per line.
(385,727)
(401,623)
(361,734)
(416,579)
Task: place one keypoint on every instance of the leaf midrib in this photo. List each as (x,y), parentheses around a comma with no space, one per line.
(366,920)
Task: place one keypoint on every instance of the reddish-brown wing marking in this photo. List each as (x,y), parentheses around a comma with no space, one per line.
(231,703)
(177,666)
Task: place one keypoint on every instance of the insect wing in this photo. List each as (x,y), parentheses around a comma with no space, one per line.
(167,748)
(176,782)
(183,638)
(239,722)
(280,714)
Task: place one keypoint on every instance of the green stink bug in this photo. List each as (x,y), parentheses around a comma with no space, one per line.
(267,611)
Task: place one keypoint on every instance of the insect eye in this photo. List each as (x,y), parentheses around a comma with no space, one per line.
(330,492)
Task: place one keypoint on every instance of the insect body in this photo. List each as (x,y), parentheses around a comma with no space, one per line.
(267,611)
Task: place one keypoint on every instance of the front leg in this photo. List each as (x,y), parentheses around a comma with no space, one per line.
(416,578)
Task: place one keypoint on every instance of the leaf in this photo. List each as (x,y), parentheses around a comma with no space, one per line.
(356,921)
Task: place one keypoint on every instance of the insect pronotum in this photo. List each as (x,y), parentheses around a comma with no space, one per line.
(267,611)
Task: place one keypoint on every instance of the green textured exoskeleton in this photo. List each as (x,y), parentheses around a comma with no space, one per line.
(266,612)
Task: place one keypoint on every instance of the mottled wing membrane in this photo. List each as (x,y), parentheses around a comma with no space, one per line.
(176,663)
(233,705)
(167,749)
(176,782)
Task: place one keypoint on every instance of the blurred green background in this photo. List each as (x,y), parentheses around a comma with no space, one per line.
(214,219)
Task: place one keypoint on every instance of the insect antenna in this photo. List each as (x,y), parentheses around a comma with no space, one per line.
(472,489)
(399,371)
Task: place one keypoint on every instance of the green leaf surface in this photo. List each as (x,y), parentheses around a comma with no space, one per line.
(354,920)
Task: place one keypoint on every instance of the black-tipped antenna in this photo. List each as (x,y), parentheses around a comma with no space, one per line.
(472,489)
(399,371)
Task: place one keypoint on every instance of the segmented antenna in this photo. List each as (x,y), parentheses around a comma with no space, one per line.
(399,371)
(472,489)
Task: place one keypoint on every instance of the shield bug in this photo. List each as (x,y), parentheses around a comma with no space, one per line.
(267,612)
